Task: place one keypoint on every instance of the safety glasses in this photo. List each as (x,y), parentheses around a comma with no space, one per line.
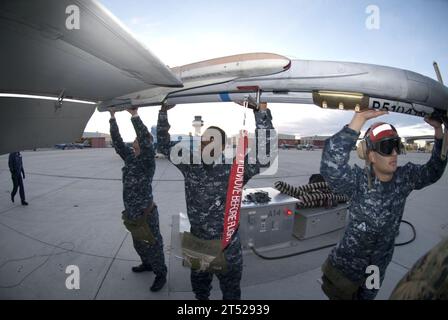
(387,146)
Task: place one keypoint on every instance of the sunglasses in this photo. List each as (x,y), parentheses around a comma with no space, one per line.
(387,146)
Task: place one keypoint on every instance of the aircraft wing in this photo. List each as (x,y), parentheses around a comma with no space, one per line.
(276,79)
(45,53)
(331,84)
(35,123)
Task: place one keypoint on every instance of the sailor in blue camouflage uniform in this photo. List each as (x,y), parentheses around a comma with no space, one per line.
(138,172)
(17,175)
(205,193)
(377,199)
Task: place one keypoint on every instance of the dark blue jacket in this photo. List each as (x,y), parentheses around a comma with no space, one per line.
(138,171)
(206,184)
(16,164)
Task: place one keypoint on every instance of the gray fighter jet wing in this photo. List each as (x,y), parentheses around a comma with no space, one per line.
(70,49)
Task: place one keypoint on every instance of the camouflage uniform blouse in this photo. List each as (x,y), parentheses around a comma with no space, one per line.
(206,185)
(137,171)
(375,214)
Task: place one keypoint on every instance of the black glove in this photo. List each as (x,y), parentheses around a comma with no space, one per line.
(166,107)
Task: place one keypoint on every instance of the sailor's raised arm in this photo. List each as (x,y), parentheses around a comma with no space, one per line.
(145,140)
(263,124)
(360,118)
(120,147)
(163,127)
(334,165)
(421,176)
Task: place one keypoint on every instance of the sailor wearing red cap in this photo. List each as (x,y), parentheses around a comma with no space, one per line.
(377,195)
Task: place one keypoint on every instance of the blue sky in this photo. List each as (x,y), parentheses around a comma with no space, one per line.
(411,36)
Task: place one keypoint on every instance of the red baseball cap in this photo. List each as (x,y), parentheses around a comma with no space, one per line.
(380,131)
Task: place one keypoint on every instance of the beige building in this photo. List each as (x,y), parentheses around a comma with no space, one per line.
(316,141)
(97,139)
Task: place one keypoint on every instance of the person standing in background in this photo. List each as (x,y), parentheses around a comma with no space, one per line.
(17,175)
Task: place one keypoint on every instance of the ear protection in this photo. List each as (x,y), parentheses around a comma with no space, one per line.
(361,150)
(363,147)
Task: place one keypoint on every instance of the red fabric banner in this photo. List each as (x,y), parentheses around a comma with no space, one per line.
(234,191)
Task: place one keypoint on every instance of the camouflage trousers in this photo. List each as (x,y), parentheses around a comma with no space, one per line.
(18,184)
(340,287)
(382,264)
(367,294)
(152,255)
(229,282)
(361,294)
(427,279)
